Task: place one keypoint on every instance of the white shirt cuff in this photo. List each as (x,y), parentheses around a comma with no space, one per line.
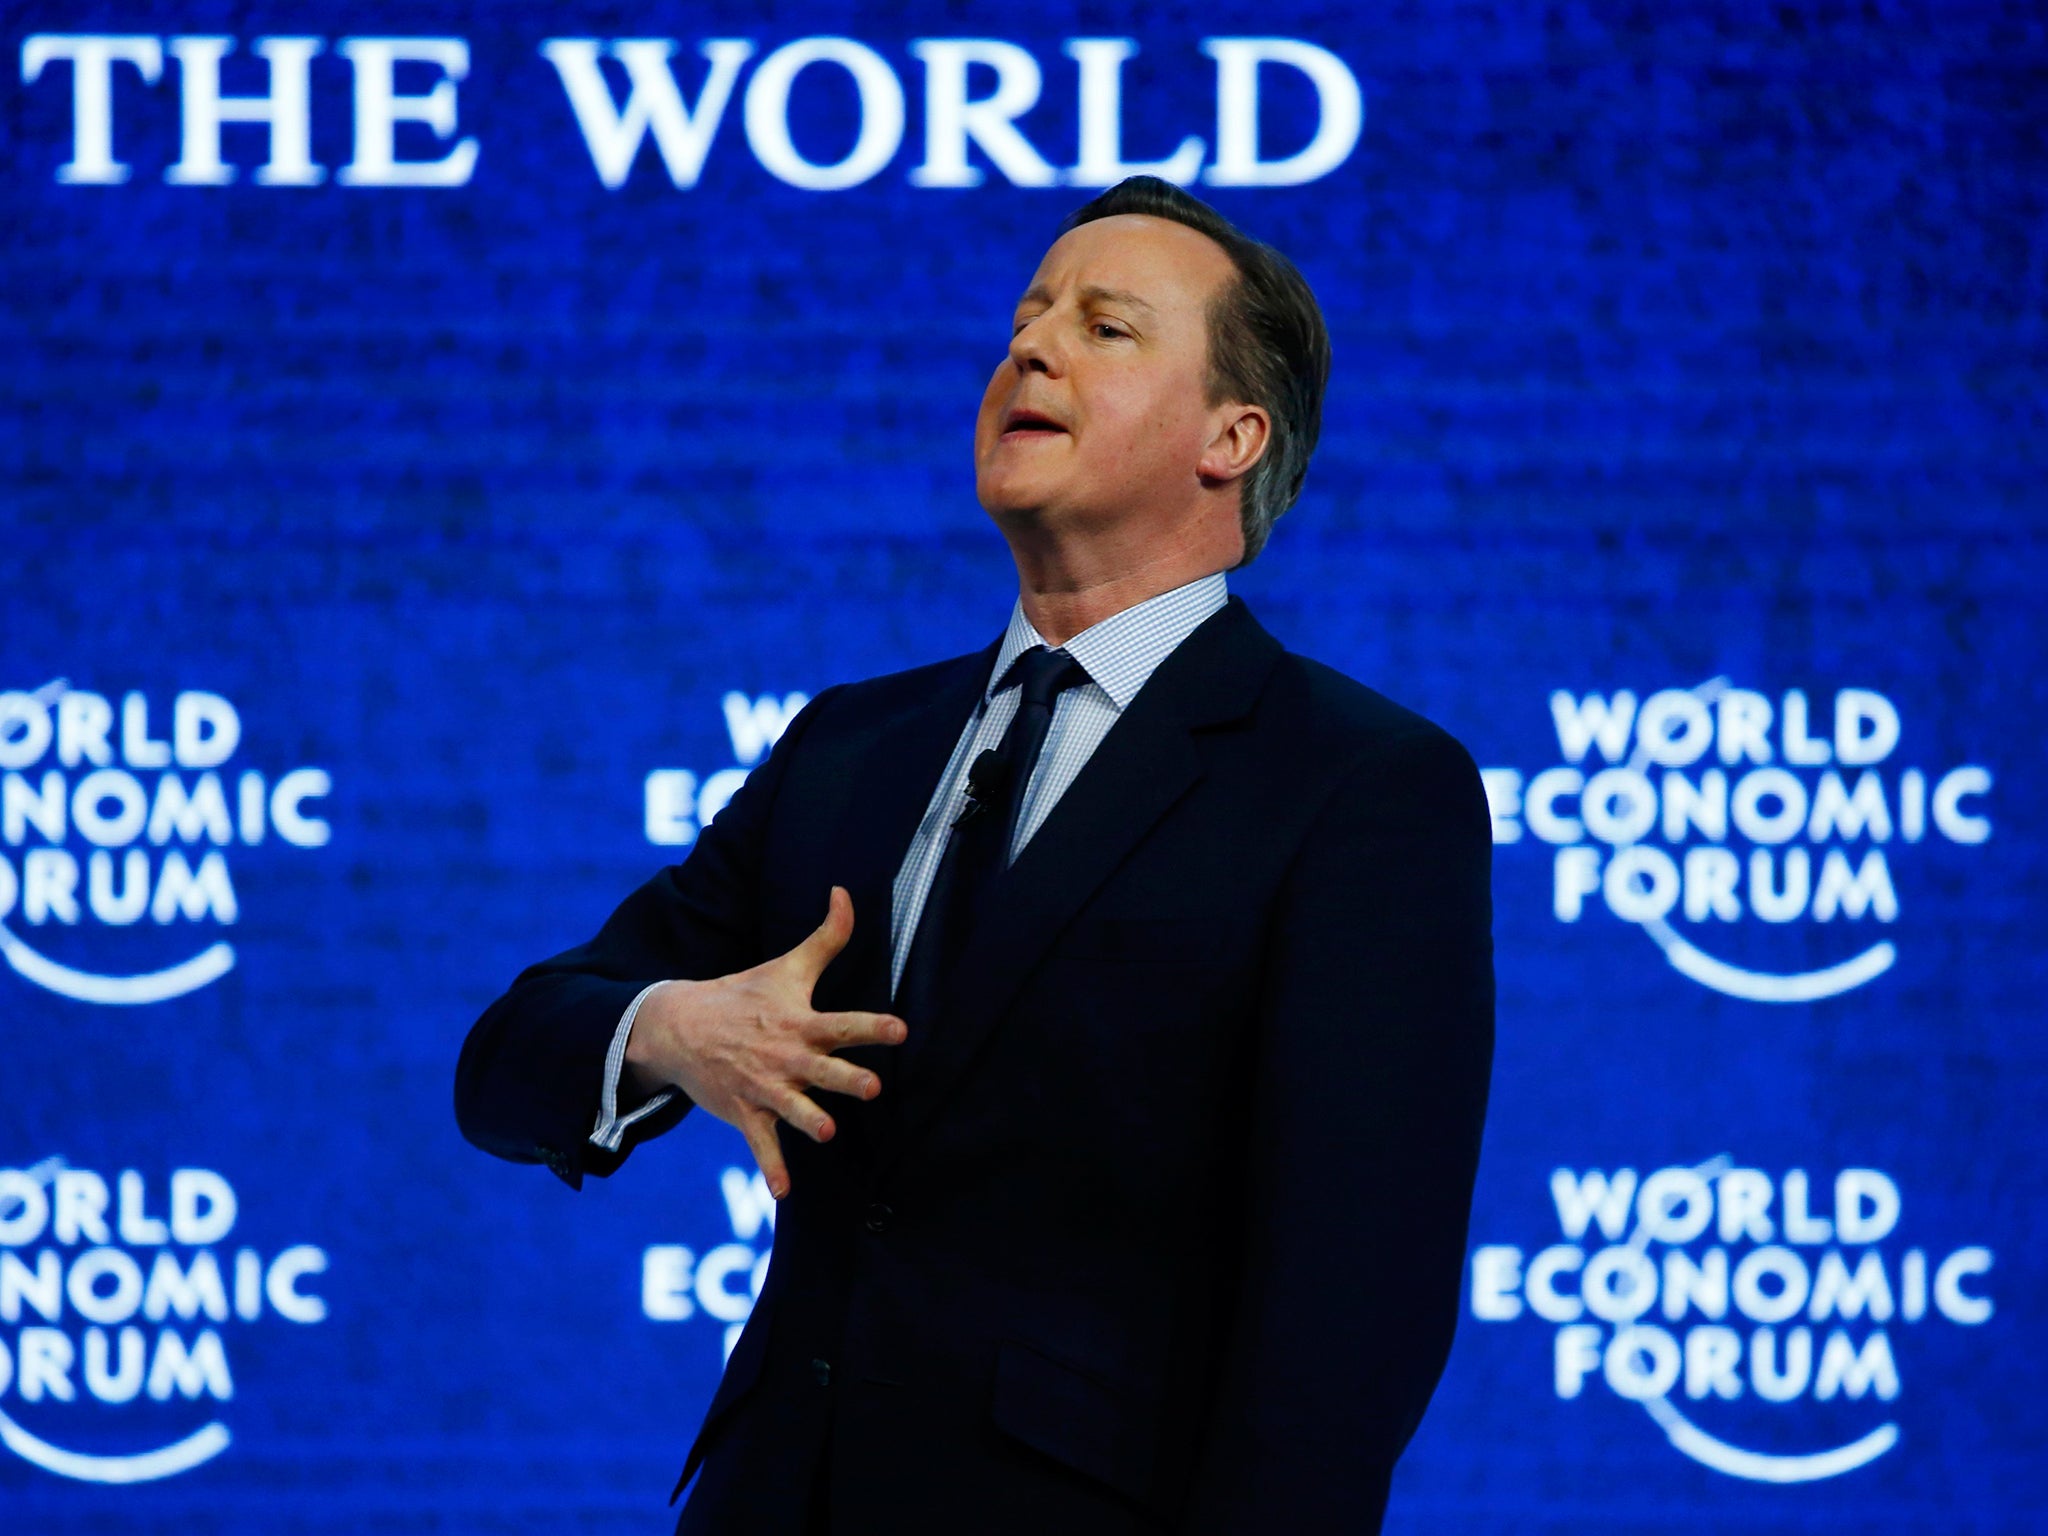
(611,1125)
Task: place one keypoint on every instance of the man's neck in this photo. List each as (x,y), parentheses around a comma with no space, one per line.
(1059,616)
(1067,587)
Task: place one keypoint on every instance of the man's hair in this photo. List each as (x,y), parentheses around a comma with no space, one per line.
(1268,345)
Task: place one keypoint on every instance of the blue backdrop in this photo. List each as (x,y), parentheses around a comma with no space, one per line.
(419,508)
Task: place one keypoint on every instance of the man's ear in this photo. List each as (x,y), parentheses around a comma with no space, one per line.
(1240,442)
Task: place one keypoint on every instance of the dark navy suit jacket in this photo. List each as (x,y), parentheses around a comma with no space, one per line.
(1163,1228)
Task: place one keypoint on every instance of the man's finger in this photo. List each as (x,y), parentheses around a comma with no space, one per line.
(758,1126)
(836,1031)
(836,1076)
(802,1113)
(826,940)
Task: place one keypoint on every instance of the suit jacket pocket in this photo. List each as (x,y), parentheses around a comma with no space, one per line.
(1184,941)
(1075,1418)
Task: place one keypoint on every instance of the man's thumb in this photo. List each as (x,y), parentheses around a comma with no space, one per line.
(828,938)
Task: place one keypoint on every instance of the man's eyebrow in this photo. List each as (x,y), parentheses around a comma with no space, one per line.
(1121,296)
(1090,295)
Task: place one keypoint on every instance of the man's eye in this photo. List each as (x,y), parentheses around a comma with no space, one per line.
(1107,331)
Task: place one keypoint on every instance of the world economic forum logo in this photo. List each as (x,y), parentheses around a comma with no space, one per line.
(1740,832)
(720,1282)
(118,1296)
(114,841)
(678,803)
(1758,1319)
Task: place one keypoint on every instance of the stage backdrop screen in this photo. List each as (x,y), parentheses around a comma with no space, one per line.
(443,444)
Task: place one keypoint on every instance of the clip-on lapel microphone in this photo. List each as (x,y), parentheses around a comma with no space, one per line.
(986,779)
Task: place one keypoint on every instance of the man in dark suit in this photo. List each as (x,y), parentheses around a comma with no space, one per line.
(1160,1046)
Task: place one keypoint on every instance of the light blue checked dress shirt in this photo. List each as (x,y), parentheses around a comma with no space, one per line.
(1120,654)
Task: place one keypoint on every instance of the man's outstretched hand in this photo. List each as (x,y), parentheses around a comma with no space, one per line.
(747,1046)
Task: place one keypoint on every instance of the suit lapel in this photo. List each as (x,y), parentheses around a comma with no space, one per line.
(900,763)
(1146,763)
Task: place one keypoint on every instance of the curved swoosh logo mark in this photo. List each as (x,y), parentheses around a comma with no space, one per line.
(1756,1466)
(1763,986)
(144,1467)
(208,965)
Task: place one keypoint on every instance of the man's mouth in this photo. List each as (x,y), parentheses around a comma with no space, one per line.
(1029,423)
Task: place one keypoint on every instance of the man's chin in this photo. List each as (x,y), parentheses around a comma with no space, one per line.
(1015,500)
(1039,521)
(1012,517)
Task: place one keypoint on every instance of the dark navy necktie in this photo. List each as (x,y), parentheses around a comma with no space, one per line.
(978,844)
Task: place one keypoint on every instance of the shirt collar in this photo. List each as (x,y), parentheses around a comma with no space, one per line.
(1125,649)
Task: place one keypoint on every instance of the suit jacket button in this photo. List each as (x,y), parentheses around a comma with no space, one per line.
(879,1216)
(821,1372)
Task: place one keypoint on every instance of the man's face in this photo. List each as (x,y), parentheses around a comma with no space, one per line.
(1098,415)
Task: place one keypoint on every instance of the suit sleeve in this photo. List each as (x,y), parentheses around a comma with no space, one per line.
(1375,1046)
(529,1083)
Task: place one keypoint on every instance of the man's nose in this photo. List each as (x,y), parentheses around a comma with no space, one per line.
(1032,349)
